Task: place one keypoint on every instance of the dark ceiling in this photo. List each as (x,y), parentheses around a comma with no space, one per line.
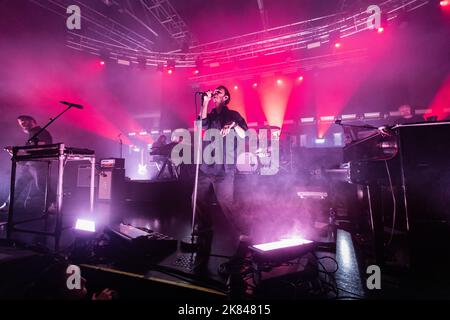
(218,19)
(207,20)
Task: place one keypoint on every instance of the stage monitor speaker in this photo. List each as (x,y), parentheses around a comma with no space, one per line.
(20,270)
(424,153)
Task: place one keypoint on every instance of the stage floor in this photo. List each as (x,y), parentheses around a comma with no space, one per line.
(167,211)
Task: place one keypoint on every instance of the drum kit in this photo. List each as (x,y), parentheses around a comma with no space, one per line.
(252,162)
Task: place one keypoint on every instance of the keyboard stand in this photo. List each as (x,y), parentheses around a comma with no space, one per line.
(61,154)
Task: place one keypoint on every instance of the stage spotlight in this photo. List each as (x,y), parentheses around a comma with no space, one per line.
(279,82)
(198,66)
(307,120)
(255,85)
(170,66)
(320,141)
(282,250)
(84,241)
(335,39)
(380,30)
(85,225)
(103,57)
(444,3)
(300,78)
(236,87)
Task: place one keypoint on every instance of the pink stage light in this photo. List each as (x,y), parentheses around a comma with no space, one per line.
(300,78)
(380,30)
(444,3)
(196,71)
(170,71)
(102,63)
(279,81)
(337,45)
(255,85)
(236,87)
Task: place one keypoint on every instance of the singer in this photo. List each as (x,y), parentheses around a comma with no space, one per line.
(219,177)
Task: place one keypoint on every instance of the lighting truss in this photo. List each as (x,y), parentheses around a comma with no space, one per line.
(298,35)
(98,32)
(288,67)
(168,17)
(107,35)
(102,33)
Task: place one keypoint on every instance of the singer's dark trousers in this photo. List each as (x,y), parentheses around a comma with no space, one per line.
(223,188)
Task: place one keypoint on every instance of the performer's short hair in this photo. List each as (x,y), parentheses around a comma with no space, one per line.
(26,118)
(227,93)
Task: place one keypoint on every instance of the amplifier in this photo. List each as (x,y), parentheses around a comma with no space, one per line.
(111,179)
(113,163)
(142,241)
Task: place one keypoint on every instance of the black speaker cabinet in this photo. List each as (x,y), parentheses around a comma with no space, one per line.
(111,179)
(424,151)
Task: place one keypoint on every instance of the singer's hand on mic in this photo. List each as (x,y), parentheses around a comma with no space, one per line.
(208,95)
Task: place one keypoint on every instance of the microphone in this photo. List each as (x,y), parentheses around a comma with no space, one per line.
(205,93)
(73,105)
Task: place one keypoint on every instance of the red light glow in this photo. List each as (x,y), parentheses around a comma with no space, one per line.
(441,100)
(274,102)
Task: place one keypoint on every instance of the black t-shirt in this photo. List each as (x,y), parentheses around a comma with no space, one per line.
(43,138)
(414,119)
(216,120)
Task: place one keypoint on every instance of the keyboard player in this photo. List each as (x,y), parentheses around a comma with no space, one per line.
(407,116)
(31,176)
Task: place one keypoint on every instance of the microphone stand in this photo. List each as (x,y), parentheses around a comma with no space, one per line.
(364,126)
(120,145)
(384,130)
(192,245)
(47,125)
